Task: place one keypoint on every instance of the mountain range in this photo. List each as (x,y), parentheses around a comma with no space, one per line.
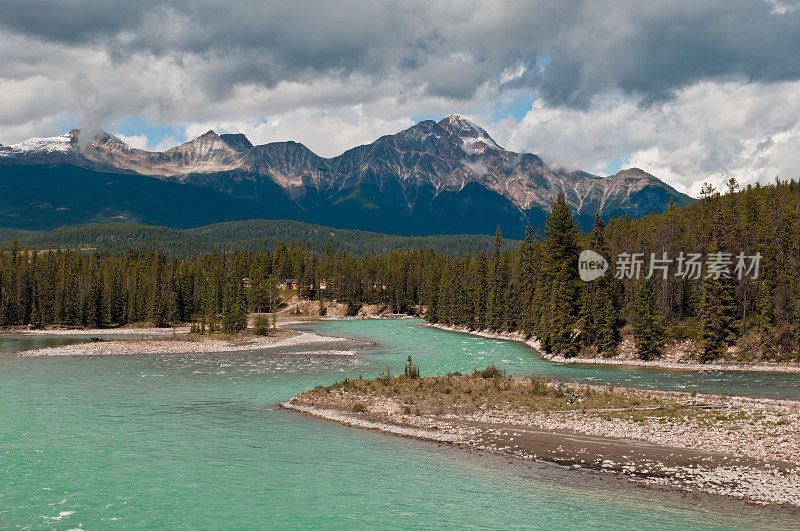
(446,177)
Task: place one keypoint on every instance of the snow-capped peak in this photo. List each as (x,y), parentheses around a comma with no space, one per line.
(60,144)
(474,139)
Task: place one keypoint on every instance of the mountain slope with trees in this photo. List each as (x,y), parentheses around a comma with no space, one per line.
(249,235)
(747,318)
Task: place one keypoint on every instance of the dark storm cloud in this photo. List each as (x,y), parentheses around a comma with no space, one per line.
(72,22)
(646,49)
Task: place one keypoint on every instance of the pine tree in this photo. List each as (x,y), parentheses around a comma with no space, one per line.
(561,256)
(561,319)
(595,297)
(766,316)
(480,292)
(608,331)
(795,295)
(526,279)
(234,313)
(561,234)
(718,318)
(495,304)
(647,327)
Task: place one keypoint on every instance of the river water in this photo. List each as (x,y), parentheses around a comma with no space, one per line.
(196,441)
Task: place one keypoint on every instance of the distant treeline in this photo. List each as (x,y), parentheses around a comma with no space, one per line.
(93,289)
(250,235)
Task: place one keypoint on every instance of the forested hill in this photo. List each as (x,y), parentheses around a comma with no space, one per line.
(250,235)
(732,305)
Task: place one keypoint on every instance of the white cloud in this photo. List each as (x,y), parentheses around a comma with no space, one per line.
(642,85)
(325,132)
(709,132)
(136,141)
(166,143)
(782,7)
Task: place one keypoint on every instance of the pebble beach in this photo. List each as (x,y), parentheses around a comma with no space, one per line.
(741,448)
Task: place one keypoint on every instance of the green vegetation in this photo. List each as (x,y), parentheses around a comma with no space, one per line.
(457,396)
(262,326)
(214,291)
(646,323)
(411,370)
(461,394)
(250,235)
(491,371)
(533,288)
(234,312)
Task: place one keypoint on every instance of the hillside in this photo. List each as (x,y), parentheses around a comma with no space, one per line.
(740,302)
(250,235)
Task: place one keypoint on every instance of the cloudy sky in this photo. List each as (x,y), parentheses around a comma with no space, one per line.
(690,91)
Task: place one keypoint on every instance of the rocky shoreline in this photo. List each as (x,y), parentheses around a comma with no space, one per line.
(130,340)
(735,447)
(180,343)
(120,331)
(683,365)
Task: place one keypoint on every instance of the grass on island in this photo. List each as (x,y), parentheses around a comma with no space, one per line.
(491,391)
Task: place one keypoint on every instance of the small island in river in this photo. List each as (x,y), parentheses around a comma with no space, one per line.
(130,341)
(738,447)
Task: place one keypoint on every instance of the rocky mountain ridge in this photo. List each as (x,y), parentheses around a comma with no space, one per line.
(442,170)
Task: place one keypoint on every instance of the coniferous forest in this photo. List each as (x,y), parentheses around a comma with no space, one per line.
(89,289)
(248,235)
(533,288)
(536,289)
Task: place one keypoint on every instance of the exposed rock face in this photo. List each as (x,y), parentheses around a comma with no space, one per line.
(451,172)
(206,153)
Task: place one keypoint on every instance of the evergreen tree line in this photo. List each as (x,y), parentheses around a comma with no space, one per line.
(249,235)
(536,289)
(215,291)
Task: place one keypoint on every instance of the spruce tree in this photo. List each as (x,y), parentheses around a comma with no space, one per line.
(717,317)
(561,320)
(795,295)
(608,332)
(495,304)
(562,258)
(234,313)
(647,327)
(526,279)
(480,294)
(561,232)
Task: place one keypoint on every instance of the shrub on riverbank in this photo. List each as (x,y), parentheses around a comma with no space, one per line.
(411,370)
(261,326)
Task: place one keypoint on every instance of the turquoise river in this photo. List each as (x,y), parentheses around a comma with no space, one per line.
(195,441)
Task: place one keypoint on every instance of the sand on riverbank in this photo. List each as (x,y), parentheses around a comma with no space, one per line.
(179,343)
(683,365)
(96,332)
(731,446)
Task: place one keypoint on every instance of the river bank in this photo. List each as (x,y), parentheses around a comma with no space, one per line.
(183,342)
(144,339)
(144,330)
(669,364)
(731,446)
